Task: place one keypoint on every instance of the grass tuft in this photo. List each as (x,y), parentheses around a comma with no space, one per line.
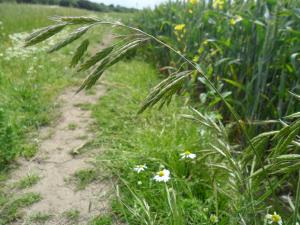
(153,138)
(84,177)
(40,218)
(28,181)
(72,215)
(11,210)
(101,220)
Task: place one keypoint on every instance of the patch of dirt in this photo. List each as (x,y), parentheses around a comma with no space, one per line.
(55,165)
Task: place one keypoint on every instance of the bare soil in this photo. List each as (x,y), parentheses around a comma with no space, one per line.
(55,164)
(59,158)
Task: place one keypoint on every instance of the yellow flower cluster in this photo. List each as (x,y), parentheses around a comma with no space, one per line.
(179,27)
(193,2)
(219,4)
(180,31)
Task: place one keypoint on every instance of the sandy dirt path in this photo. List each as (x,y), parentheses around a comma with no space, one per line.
(55,165)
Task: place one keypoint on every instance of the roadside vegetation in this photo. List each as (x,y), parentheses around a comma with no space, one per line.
(137,147)
(29,85)
(212,139)
(29,81)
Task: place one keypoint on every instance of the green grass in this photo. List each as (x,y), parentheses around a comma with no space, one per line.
(72,126)
(72,215)
(27,182)
(28,17)
(101,220)
(217,183)
(155,138)
(84,177)
(10,211)
(30,79)
(83,106)
(226,182)
(39,217)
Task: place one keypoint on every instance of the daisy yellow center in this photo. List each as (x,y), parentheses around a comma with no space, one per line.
(161,173)
(187,152)
(276,218)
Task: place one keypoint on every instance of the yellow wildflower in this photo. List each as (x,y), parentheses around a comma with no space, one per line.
(179,27)
(193,2)
(190,11)
(219,4)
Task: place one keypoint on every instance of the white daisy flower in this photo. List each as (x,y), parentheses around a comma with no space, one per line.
(187,155)
(274,218)
(140,168)
(162,176)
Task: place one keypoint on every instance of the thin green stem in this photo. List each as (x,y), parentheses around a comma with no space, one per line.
(297,200)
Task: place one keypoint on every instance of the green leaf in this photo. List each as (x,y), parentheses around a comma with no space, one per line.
(295,95)
(292,116)
(234,83)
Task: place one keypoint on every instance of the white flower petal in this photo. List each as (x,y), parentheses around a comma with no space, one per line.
(187,155)
(140,168)
(269,216)
(164,177)
(192,156)
(166,172)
